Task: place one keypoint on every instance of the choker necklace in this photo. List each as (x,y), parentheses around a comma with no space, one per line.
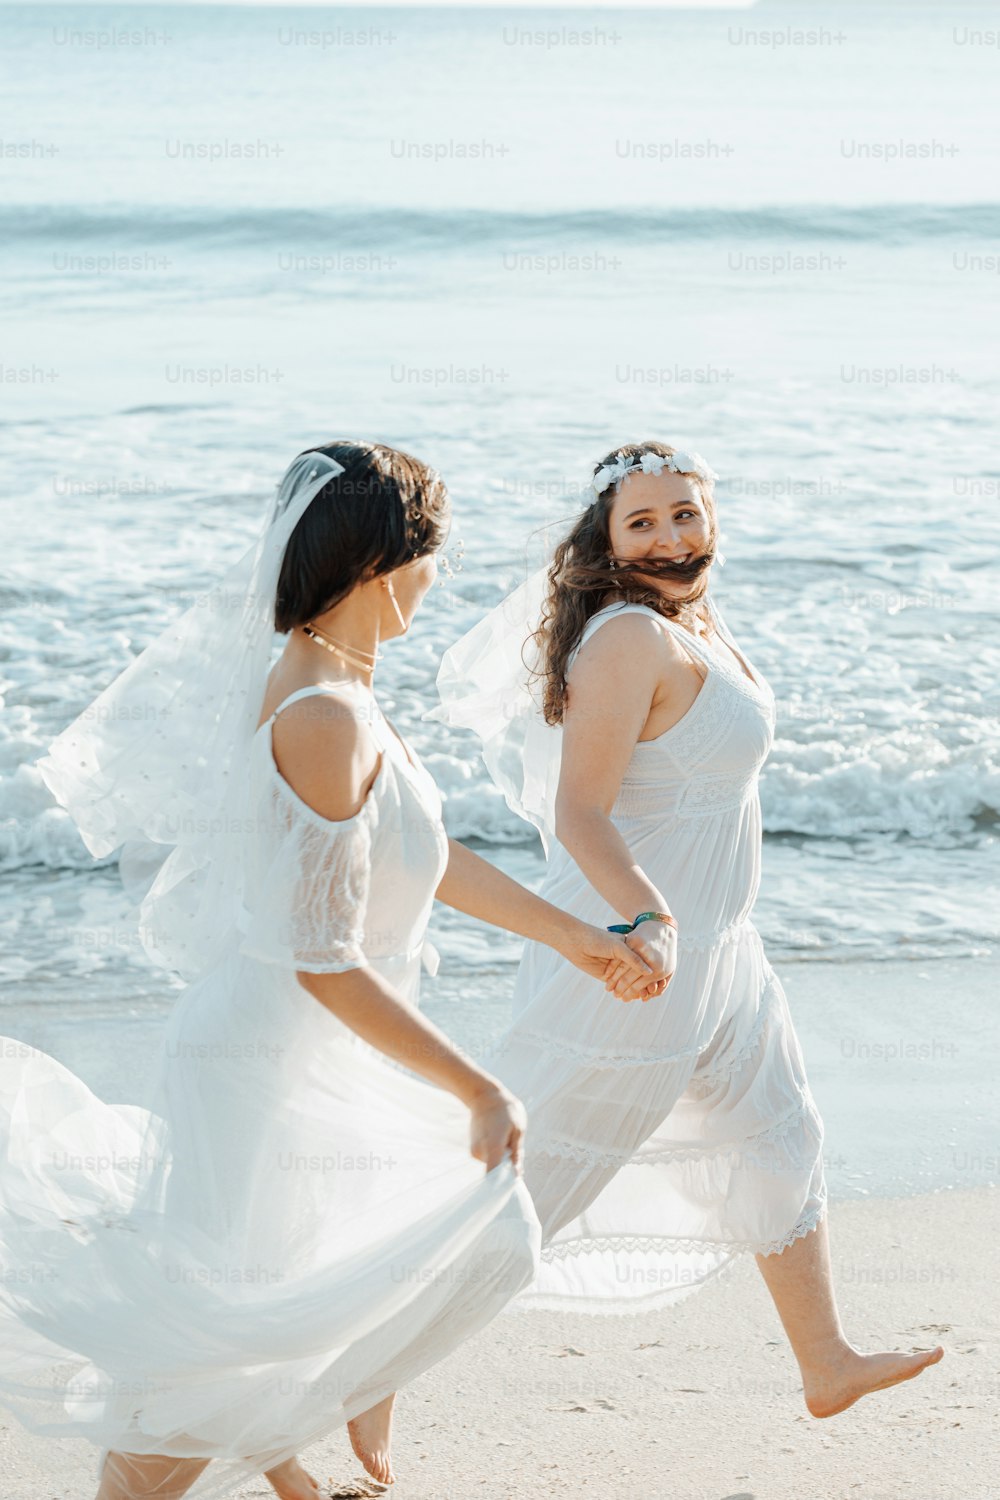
(353,655)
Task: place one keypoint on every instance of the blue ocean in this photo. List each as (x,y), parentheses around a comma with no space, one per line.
(508,239)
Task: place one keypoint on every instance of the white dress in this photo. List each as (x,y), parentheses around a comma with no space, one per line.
(294,1226)
(666,1137)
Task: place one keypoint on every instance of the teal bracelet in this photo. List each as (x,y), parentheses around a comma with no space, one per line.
(644,916)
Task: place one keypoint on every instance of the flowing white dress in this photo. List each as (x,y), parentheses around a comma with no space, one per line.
(667,1137)
(293,1227)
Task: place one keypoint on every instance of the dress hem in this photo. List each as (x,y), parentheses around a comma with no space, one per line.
(615,1242)
(528,1301)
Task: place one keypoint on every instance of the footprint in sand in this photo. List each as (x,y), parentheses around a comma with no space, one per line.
(589,1407)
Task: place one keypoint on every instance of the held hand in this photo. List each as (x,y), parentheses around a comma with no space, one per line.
(496,1127)
(656,942)
(600,953)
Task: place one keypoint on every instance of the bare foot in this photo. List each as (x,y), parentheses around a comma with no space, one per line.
(291,1482)
(370,1436)
(834,1387)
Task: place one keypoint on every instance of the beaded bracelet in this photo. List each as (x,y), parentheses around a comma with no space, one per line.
(644,916)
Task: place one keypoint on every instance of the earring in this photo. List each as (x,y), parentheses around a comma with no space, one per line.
(387,584)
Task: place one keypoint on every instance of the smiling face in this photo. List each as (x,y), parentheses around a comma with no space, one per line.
(662,517)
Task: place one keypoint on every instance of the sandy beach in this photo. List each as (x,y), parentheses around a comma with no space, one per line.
(698,1402)
(702,1401)
(510,240)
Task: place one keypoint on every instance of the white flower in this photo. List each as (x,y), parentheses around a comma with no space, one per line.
(693,463)
(650,463)
(602,479)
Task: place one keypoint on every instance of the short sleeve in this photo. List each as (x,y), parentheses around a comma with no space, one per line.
(307,885)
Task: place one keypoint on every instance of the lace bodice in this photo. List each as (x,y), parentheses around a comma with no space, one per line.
(324,896)
(710,760)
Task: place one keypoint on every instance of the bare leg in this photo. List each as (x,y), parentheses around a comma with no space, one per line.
(834,1373)
(291,1482)
(135,1476)
(370,1436)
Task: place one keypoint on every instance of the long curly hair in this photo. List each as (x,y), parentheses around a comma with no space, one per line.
(583,572)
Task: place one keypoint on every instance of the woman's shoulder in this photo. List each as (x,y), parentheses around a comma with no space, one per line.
(631,622)
(327,748)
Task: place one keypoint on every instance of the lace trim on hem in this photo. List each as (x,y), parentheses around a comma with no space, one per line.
(586,1156)
(808,1222)
(616,1243)
(765,1009)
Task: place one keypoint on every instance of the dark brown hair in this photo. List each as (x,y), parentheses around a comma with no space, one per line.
(386,509)
(581,576)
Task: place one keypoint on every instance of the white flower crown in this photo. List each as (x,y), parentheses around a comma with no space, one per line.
(651,463)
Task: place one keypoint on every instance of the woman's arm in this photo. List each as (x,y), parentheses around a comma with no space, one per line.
(369,1005)
(474,886)
(611,688)
(330,761)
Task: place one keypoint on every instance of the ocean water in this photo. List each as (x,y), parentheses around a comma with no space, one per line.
(509,240)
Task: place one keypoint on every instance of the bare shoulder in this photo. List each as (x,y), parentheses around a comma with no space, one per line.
(624,640)
(613,680)
(324,749)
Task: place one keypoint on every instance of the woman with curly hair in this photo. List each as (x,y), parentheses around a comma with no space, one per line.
(665,1137)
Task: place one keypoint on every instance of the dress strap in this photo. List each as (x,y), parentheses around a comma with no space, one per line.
(611,611)
(727,635)
(607,612)
(330,690)
(720,624)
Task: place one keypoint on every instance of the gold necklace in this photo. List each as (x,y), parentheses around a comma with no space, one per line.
(346,645)
(351,654)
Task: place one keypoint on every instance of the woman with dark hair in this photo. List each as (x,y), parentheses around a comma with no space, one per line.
(297,1224)
(667,1138)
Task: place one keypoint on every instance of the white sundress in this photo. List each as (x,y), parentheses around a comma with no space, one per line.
(666,1137)
(294,1227)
